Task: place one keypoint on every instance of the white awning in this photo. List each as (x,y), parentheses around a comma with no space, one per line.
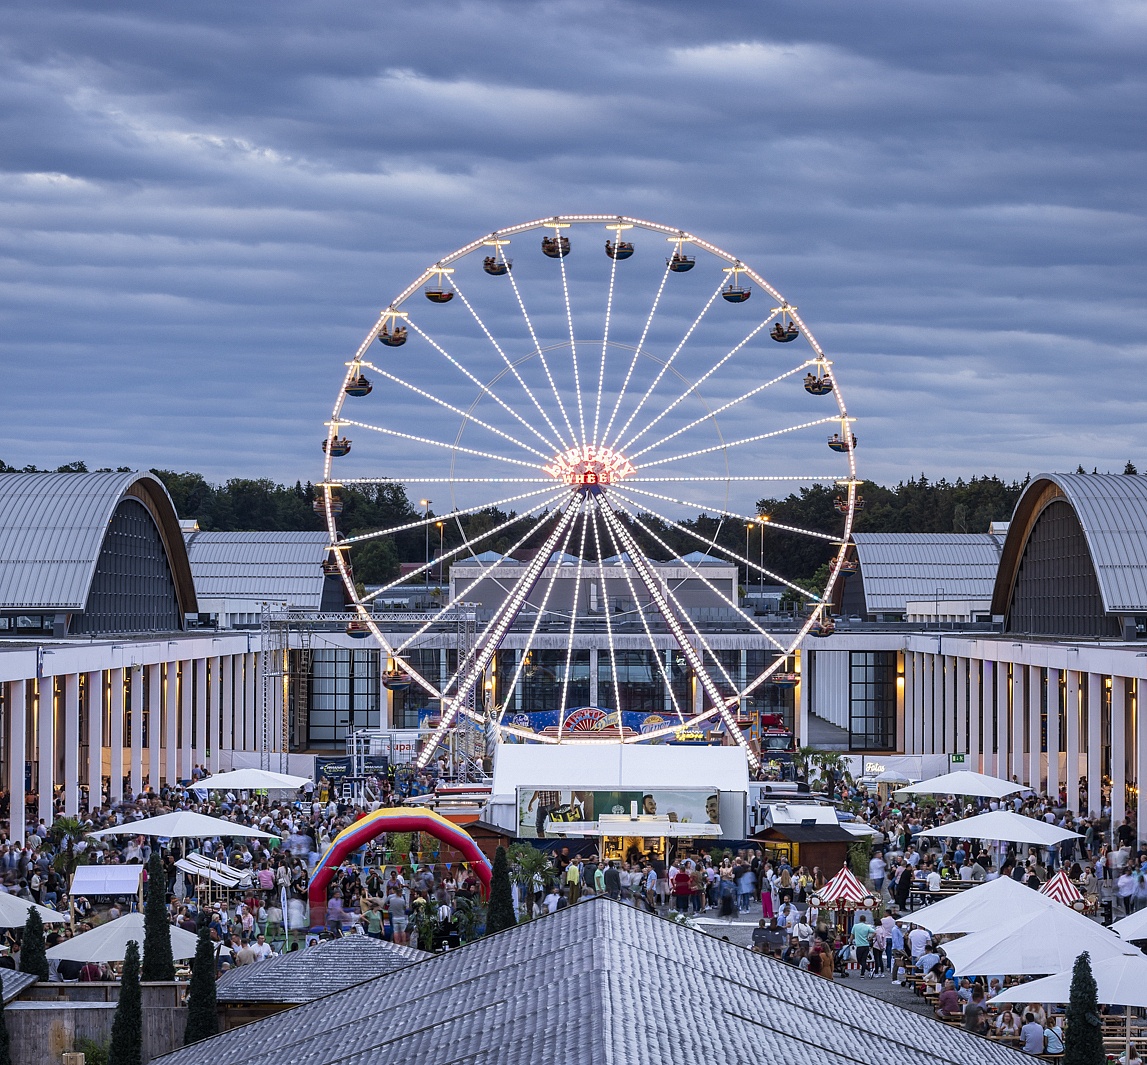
(107,879)
(629,826)
(218,873)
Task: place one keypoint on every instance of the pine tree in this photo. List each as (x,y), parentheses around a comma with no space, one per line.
(202,1019)
(500,913)
(33,955)
(5,1051)
(127,1028)
(158,963)
(1083,1040)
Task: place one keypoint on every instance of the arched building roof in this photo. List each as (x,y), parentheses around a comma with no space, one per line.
(56,530)
(1076,549)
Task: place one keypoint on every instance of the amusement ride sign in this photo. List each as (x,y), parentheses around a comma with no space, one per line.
(589,465)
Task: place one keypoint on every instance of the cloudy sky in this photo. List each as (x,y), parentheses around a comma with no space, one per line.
(204,206)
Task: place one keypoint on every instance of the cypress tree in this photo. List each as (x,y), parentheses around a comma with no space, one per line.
(1083,1040)
(127,1028)
(202,1020)
(500,913)
(5,1051)
(158,963)
(33,956)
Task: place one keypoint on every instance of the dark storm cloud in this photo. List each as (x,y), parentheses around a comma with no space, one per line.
(202,207)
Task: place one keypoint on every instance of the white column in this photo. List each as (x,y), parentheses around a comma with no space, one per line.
(1140,758)
(72,744)
(135,763)
(1094,743)
(171,725)
(17,751)
(154,724)
(115,735)
(46,741)
(1035,730)
(929,685)
(1019,701)
(229,702)
(1118,751)
(975,709)
(1071,713)
(911,708)
(214,712)
(199,755)
(806,664)
(1003,688)
(186,716)
(593,701)
(959,710)
(251,737)
(94,690)
(1052,704)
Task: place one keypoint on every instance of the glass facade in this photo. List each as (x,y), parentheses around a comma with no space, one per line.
(872,701)
(639,682)
(544,678)
(437,665)
(344,695)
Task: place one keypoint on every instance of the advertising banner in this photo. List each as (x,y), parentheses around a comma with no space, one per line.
(541,811)
(335,769)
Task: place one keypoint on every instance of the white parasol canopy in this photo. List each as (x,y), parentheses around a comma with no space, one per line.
(183,824)
(108,942)
(250,780)
(1005,826)
(1122,981)
(14,912)
(892,776)
(1043,942)
(964,782)
(1133,926)
(980,908)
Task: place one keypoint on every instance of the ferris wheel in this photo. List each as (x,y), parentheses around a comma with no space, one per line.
(591,401)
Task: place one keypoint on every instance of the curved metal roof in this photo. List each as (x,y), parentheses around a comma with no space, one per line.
(52,527)
(272,566)
(898,568)
(1112,509)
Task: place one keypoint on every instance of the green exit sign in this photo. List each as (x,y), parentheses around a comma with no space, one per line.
(957,758)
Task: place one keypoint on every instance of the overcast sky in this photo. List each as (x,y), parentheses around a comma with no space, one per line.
(205,205)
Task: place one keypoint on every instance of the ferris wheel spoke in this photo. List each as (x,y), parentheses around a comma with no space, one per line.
(427,520)
(458,410)
(736,477)
(486,645)
(417,478)
(604,347)
(701,507)
(709,373)
(439,443)
(460,597)
(633,517)
(667,363)
(514,371)
(542,357)
(708,415)
(467,545)
(694,659)
(831,420)
(573,615)
(537,623)
(658,657)
(606,611)
(711,543)
(573,349)
(636,353)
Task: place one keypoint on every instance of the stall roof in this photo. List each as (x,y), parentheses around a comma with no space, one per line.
(106,879)
(808,834)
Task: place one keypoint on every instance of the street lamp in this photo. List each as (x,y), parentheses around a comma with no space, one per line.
(764,520)
(426,518)
(748,574)
(441,532)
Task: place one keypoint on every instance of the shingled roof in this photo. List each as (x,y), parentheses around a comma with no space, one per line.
(304,975)
(597,982)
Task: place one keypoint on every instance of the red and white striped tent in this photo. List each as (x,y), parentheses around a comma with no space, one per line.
(1060,888)
(844,887)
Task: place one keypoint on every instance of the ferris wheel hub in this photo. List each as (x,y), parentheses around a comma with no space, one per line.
(589,466)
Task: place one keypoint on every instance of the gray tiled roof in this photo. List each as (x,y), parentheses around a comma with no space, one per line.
(598,982)
(304,975)
(897,568)
(273,566)
(12,983)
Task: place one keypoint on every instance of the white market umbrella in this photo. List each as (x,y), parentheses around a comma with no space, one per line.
(1122,981)
(250,780)
(1133,926)
(892,776)
(1045,941)
(1003,825)
(964,782)
(183,824)
(14,912)
(980,908)
(108,942)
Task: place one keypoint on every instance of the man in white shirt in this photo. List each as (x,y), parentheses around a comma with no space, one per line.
(262,948)
(918,940)
(551,901)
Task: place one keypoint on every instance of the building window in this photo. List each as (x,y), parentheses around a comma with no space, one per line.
(437,665)
(872,701)
(344,695)
(640,687)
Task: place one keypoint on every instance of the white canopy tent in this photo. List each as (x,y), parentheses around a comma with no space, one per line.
(1005,826)
(964,782)
(1045,941)
(250,780)
(980,908)
(108,942)
(1121,980)
(14,912)
(183,824)
(1133,926)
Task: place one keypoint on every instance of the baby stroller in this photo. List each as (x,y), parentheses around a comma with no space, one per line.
(841,959)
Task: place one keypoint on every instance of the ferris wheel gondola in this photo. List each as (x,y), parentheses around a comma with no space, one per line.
(573,448)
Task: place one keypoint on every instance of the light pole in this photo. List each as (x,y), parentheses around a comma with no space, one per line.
(426,518)
(441,533)
(748,575)
(763,519)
